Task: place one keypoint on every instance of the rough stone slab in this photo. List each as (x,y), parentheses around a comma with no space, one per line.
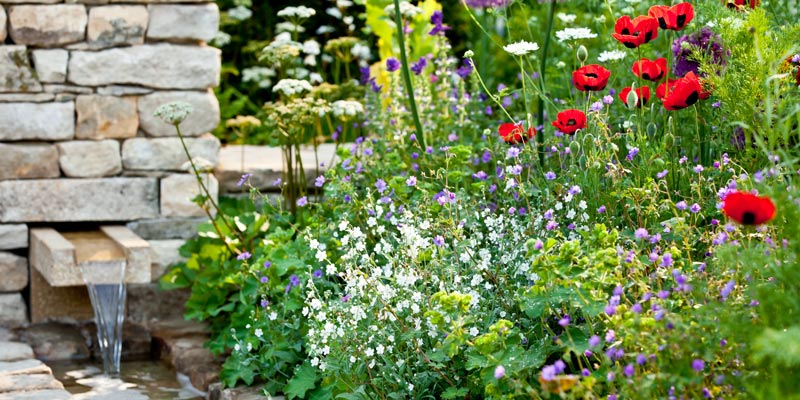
(16,74)
(62,200)
(164,253)
(44,121)
(74,304)
(53,341)
(27,383)
(13,311)
(49,394)
(177,192)
(166,228)
(28,161)
(116,25)
(161,66)
(26,97)
(14,351)
(119,90)
(167,153)
(13,236)
(89,159)
(171,22)
(266,164)
(7,335)
(47,26)
(147,303)
(24,367)
(14,272)
(58,88)
(51,65)
(216,392)
(106,117)
(137,253)
(3,20)
(203,119)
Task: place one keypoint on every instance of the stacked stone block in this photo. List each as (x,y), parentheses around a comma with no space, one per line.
(79,82)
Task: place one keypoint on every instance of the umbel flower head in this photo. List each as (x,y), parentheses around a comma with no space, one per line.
(636,32)
(521,48)
(705,42)
(173,113)
(515,133)
(748,209)
(591,77)
(674,18)
(569,121)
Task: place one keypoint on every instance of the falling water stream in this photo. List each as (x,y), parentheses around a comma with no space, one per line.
(105,281)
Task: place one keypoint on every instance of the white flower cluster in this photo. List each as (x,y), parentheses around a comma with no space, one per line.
(297,12)
(613,55)
(407,10)
(240,13)
(347,108)
(575,34)
(521,48)
(173,113)
(258,75)
(291,87)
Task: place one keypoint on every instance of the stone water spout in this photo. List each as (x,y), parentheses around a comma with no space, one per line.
(104,261)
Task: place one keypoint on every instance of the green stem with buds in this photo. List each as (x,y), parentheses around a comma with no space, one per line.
(542,71)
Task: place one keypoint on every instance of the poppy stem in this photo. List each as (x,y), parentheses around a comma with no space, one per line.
(542,71)
(406,75)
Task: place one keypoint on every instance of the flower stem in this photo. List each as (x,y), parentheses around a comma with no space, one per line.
(542,71)
(406,75)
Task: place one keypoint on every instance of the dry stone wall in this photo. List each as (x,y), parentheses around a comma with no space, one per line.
(79,82)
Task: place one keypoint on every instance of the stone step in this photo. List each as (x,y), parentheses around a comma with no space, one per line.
(15,351)
(266,165)
(49,394)
(23,367)
(27,383)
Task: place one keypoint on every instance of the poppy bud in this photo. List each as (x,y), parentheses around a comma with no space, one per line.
(651,129)
(659,162)
(614,147)
(582,54)
(669,140)
(632,99)
(596,165)
(469,54)
(575,147)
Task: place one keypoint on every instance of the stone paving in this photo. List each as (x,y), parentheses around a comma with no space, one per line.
(24,377)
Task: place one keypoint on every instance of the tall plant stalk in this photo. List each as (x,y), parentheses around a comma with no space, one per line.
(406,75)
(542,72)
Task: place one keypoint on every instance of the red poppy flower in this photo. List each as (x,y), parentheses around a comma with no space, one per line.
(650,70)
(748,209)
(635,33)
(661,90)
(591,77)
(673,18)
(514,133)
(742,4)
(682,92)
(643,93)
(569,121)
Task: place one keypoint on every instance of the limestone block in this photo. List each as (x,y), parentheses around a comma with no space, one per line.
(106,117)
(47,26)
(203,119)
(47,394)
(16,74)
(167,153)
(28,383)
(164,253)
(3,19)
(73,302)
(169,21)
(61,200)
(164,228)
(51,65)
(37,121)
(26,97)
(89,159)
(137,253)
(115,25)
(14,270)
(119,90)
(177,192)
(13,311)
(146,303)
(162,66)
(24,367)
(73,89)
(15,351)
(13,236)
(26,161)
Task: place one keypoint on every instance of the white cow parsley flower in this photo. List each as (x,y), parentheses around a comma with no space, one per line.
(521,48)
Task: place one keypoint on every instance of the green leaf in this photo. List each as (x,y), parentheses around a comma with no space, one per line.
(455,393)
(304,379)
